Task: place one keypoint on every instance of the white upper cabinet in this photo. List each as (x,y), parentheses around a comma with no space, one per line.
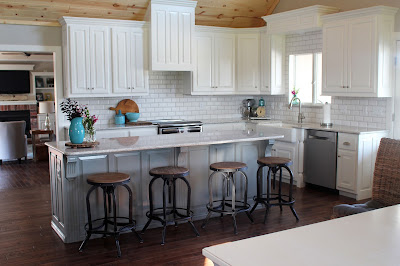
(97,64)
(358,53)
(272,64)
(87,60)
(248,63)
(129,61)
(172,30)
(214,63)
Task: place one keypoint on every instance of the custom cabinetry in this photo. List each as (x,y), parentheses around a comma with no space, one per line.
(87,60)
(355,163)
(272,64)
(215,63)
(172,28)
(357,53)
(248,63)
(43,85)
(87,53)
(129,61)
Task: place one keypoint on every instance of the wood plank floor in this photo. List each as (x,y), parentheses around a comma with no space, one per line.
(27,238)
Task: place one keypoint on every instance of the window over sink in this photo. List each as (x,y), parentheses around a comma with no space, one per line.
(305,78)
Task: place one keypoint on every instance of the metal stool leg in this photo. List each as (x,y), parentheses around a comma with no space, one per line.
(210,195)
(88,233)
(259,188)
(105,211)
(188,205)
(150,203)
(280,189)
(268,194)
(291,192)
(164,214)
(130,213)
(116,233)
(245,195)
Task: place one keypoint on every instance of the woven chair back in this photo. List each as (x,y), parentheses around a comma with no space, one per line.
(386,186)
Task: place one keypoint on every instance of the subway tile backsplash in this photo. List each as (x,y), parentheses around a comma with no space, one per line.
(166,99)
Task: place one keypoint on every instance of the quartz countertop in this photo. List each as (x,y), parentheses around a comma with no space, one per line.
(126,144)
(334,128)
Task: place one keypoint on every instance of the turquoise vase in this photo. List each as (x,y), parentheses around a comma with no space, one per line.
(76,130)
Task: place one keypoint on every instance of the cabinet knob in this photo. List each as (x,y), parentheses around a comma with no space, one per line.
(129,88)
(256,87)
(133,88)
(346,143)
(92,88)
(338,156)
(266,87)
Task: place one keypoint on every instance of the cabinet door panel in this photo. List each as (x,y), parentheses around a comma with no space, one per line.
(185,44)
(99,59)
(346,170)
(224,62)
(158,35)
(361,56)
(120,60)
(248,63)
(203,74)
(277,53)
(172,37)
(334,58)
(138,66)
(265,71)
(79,58)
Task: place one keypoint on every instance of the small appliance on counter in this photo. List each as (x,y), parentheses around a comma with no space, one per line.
(247,108)
(261,108)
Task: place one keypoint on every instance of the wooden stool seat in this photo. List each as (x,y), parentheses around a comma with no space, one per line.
(107,178)
(226,166)
(274,161)
(169,171)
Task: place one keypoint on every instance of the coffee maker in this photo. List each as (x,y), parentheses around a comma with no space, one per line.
(247,108)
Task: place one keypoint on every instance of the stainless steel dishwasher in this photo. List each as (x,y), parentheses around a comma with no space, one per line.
(320,148)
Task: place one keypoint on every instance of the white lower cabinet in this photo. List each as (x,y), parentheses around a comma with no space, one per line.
(356,162)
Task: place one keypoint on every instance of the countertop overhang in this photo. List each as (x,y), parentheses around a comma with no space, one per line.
(137,143)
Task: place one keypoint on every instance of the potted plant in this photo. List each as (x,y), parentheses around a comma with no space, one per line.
(74,113)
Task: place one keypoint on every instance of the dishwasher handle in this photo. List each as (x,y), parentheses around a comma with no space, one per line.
(317,137)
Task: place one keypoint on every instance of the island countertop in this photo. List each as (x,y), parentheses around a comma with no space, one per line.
(137,143)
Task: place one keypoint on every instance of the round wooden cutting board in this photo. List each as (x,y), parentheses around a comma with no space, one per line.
(126,106)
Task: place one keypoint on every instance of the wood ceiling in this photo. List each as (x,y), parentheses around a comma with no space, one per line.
(223,13)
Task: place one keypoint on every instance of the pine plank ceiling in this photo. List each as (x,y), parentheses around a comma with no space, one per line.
(222,13)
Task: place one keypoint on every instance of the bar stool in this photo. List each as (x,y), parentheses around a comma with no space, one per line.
(169,175)
(108,182)
(228,169)
(274,165)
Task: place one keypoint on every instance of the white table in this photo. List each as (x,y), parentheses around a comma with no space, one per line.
(370,238)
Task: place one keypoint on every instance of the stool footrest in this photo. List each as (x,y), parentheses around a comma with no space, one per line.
(240,206)
(275,197)
(158,215)
(123,226)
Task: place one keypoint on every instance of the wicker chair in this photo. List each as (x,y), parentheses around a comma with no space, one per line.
(386,186)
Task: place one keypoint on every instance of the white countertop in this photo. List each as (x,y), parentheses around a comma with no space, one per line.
(136,143)
(335,128)
(370,238)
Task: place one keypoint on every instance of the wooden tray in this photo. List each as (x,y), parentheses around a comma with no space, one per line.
(82,145)
(139,123)
(126,106)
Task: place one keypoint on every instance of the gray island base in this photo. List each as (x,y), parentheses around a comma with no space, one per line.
(135,156)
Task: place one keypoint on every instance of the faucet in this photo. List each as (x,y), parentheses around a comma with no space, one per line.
(301,116)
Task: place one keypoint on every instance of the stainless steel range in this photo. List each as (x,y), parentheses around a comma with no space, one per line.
(178,126)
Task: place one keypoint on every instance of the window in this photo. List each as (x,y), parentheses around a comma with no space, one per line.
(305,76)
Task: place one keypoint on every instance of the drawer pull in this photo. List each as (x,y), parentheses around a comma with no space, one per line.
(346,143)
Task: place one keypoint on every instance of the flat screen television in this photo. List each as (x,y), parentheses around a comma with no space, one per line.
(14,82)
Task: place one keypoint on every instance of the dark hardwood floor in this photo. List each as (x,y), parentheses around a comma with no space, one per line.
(27,238)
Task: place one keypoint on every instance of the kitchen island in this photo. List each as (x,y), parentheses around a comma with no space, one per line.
(136,155)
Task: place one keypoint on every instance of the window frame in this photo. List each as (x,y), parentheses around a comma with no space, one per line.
(315,65)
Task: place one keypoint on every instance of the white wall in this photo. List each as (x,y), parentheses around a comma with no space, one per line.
(344,5)
(30,35)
